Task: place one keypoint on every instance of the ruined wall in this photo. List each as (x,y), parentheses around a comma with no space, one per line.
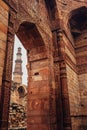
(74,97)
(4,15)
(31,11)
(41,101)
(31,25)
(65,7)
(75,58)
(18,94)
(72,82)
(81,55)
(4,12)
(18,107)
(36,37)
(41,98)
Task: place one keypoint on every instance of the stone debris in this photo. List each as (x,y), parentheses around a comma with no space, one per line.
(17,116)
(18,109)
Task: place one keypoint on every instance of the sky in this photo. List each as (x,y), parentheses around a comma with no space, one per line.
(17,44)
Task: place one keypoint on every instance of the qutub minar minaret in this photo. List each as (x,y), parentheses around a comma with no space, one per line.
(17,74)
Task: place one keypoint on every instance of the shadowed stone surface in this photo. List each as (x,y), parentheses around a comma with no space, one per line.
(54,33)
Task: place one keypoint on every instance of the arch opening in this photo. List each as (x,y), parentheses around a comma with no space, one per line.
(29,35)
(78,22)
(33,43)
(18,97)
(78,28)
(21,91)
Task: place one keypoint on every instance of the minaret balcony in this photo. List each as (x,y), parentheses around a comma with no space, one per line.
(18,61)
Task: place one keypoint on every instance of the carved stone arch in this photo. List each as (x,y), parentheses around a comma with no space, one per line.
(22,18)
(78,29)
(78,21)
(22,91)
(19,22)
(39,70)
(41,90)
(29,35)
(75,10)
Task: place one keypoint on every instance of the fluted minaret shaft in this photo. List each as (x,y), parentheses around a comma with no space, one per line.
(17,74)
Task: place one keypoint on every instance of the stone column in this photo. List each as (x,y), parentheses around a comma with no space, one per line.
(7,75)
(63,111)
(65,97)
(41,96)
(63,83)
(56,53)
(4,14)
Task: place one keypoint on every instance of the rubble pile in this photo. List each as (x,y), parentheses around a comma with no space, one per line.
(17,116)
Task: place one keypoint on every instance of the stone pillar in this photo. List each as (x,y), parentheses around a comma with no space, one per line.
(63,111)
(7,75)
(4,14)
(65,97)
(56,53)
(63,83)
(41,96)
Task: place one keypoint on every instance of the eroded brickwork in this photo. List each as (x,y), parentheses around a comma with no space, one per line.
(4,14)
(3,36)
(55,40)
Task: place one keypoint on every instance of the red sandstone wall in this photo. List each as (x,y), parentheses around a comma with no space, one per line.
(76,83)
(72,82)
(41,98)
(73,88)
(74,97)
(81,55)
(83,93)
(3,36)
(66,6)
(36,13)
(83,102)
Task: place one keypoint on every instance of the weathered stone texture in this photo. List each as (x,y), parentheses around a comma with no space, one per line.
(18,106)
(55,68)
(35,15)
(76,58)
(83,93)
(73,87)
(3,36)
(74,97)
